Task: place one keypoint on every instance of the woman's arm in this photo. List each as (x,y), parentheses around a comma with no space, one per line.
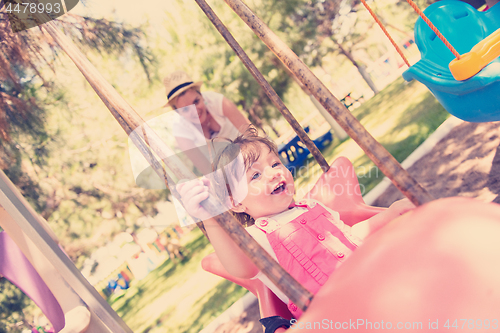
(194,154)
(367,227)
(231,112)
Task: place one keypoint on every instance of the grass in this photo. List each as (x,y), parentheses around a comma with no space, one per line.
(400,117)
(152,304)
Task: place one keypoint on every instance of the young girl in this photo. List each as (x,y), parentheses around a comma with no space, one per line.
(307,238)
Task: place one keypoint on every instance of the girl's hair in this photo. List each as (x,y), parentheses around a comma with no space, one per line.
(250,145)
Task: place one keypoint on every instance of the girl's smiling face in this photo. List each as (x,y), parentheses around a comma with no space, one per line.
(270,186)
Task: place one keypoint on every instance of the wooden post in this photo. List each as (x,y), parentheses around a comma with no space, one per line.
(131,122)
(264,84)
(377,153)
(28,221)
(337,130)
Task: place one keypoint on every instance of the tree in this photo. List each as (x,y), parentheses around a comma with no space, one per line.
(35,138)
(12,303)
(23,88)
(327,19)
(211,59)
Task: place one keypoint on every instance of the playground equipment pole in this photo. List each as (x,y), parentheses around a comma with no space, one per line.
(131,123)
(273,96)
(337,130)
(375,151)
(28,221)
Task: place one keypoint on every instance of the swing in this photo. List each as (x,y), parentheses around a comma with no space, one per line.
(335,302)
(475,99)
(18,270)
(26,221)
(348,202)
(56,300)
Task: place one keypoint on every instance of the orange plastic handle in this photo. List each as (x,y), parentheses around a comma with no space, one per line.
(481,55)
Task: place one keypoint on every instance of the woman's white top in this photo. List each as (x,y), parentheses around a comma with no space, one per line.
(185,129)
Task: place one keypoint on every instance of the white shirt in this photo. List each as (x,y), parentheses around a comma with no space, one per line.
(186,129)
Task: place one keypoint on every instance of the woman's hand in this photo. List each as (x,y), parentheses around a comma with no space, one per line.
(192,193)
(230,111)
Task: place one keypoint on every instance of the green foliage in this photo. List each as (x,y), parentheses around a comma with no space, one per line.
(210,59)
(12,303)
(169,279)
(67,160)
(51,161)
(111,38)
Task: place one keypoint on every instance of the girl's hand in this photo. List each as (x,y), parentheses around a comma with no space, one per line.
(374,223)
(192,193)
(401,206)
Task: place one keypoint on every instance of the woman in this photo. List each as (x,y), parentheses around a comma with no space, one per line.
(212,116)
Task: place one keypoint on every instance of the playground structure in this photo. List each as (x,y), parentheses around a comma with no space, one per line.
(477,98)
(467,86)
(294,153)
(24,222)
(33,271)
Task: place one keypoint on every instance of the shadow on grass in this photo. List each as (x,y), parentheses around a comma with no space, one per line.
(160,280)
(162,319)
(389,103)
(380,105)
(426,115)
(209,306)
(372,174)
(418,114)
(400,150)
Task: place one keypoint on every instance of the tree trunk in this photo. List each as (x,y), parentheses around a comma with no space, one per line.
(254,119)
(361,68)
(273,128)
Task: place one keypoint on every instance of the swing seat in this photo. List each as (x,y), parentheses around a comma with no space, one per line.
(339,190)
(476,99)
(16,268)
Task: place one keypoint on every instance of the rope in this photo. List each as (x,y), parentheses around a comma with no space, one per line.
(386,32)
(436,31)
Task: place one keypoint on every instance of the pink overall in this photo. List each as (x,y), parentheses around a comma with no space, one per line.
(310,247)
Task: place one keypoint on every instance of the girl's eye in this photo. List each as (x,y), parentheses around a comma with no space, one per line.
(255,175)
(275,164)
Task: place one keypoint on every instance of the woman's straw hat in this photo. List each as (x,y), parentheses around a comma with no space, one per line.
(176,83)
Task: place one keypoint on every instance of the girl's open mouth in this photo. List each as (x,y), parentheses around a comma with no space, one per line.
(279,188)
